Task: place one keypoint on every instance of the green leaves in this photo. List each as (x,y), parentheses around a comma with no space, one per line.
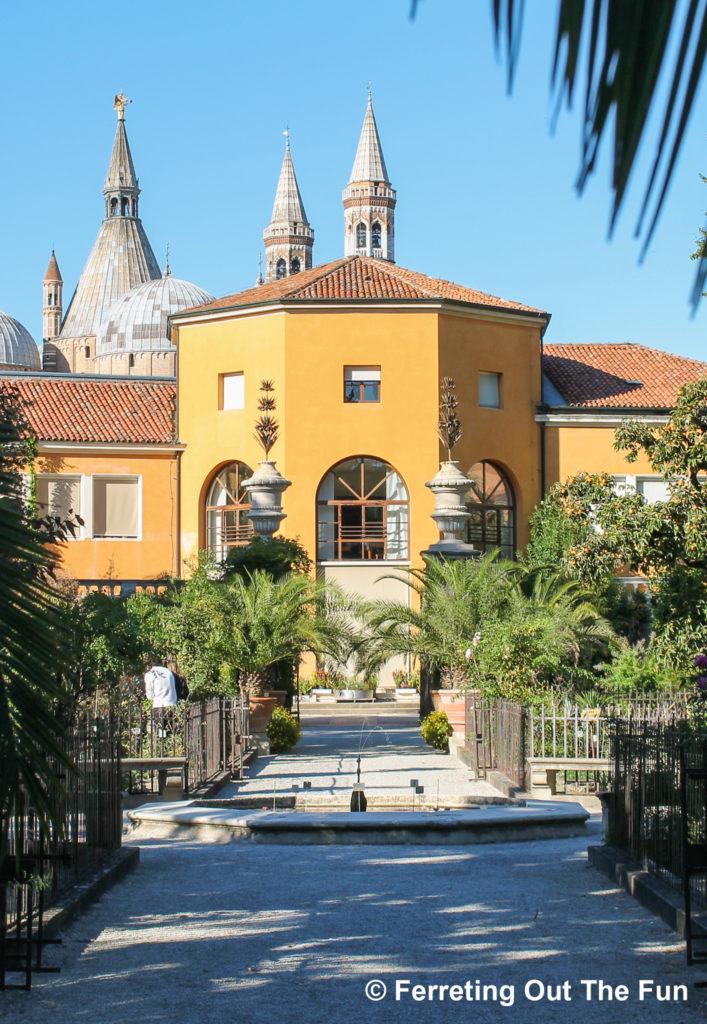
(628,59)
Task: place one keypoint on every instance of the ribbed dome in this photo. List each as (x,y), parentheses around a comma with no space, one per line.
(137,322)
(17,346)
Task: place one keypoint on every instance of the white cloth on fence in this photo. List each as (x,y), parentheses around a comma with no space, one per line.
(160,687)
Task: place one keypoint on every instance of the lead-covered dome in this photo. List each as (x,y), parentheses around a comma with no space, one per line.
(138,320)
(18,349)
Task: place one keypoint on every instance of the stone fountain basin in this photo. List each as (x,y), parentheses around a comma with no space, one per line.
(488,823)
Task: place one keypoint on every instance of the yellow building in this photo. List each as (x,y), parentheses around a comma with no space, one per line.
(356,350)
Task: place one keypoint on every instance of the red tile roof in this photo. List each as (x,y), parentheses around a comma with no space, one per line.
(82,408)
(619,376)
(358,277)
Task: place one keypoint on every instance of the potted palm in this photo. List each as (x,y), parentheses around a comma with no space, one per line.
(276,620)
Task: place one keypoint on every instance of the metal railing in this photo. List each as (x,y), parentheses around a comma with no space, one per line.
(645,813)
(41,862)
(212,736)
(496,737)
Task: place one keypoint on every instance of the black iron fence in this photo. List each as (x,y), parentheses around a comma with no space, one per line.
(208,736)
(496,738)
(646,810)
(42,861)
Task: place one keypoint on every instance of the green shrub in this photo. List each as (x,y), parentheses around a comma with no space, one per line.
(436,730)
(283,730)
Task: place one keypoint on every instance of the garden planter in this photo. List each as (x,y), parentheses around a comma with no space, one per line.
(279,695)
(261,709)
(355,695)
(452,702)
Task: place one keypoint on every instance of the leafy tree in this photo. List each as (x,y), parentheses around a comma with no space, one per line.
(276,556)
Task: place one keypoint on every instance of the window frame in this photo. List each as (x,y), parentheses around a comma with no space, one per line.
(355,390)
(498,377)
(116,477)
(243,534)
(487,509)
(77,478)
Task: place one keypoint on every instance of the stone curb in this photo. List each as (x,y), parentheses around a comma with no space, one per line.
(650,891)
(76,899)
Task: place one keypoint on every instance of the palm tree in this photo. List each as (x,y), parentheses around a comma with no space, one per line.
(275,620)
(629,57)
(452,600)
(32,651)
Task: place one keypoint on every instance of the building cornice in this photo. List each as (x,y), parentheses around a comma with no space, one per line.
(474,311)
(574,417)
(104,447)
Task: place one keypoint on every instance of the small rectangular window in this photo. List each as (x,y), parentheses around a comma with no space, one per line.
(231,391)
(58,495)
(362,383)
(653,490)
(490,390)
(115,507)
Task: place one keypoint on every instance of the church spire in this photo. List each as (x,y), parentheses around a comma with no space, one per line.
(288,237)
(122,256)
(369,199)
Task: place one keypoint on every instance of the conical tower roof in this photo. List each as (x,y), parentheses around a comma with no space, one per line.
(121,171)
(53,273)
(121,257)
(369,164)
(288,206)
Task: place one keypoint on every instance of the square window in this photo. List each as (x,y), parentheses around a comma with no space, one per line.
(115,507)
(231,391)
(490,390)
(362,383)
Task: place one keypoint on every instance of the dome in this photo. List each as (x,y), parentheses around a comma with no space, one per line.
(18,349)
(137,321)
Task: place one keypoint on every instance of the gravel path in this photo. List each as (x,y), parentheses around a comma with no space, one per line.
(224,934)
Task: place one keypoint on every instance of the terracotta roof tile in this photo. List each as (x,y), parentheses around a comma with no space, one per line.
(618,376)
(82,408)
(358,277)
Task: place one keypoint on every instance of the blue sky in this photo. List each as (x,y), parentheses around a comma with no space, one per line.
(486,193)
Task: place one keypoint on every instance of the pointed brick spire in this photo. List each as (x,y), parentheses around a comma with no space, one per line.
(53,273)
(288,205)
(288,237)
(369,199)
(369,164)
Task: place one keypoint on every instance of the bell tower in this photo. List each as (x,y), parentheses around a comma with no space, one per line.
(53,303)
(369,199)
(288,237)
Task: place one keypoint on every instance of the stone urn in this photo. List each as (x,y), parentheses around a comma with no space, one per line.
(450,487)
(265,489)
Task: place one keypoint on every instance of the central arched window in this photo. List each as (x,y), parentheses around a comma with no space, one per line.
(281,268)
(361,236)
(295,265)
(363,513)
(227,525)
(375,235)
(492,507)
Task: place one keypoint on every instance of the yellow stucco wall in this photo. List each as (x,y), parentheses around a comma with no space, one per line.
(508,435)
(304,351)
(571,449)
(155,552)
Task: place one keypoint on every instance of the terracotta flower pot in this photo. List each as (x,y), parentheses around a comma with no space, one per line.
(452,702)
(261,709)
(279,695)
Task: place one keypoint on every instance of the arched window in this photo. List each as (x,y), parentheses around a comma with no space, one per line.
(114,207)
(281,268)
(124,207)
(363,512)
(361,236)
(227,525)
(492,506)
(376,235)
(295,265)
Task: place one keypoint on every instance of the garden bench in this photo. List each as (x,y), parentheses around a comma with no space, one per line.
(543,771)
(161,765)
